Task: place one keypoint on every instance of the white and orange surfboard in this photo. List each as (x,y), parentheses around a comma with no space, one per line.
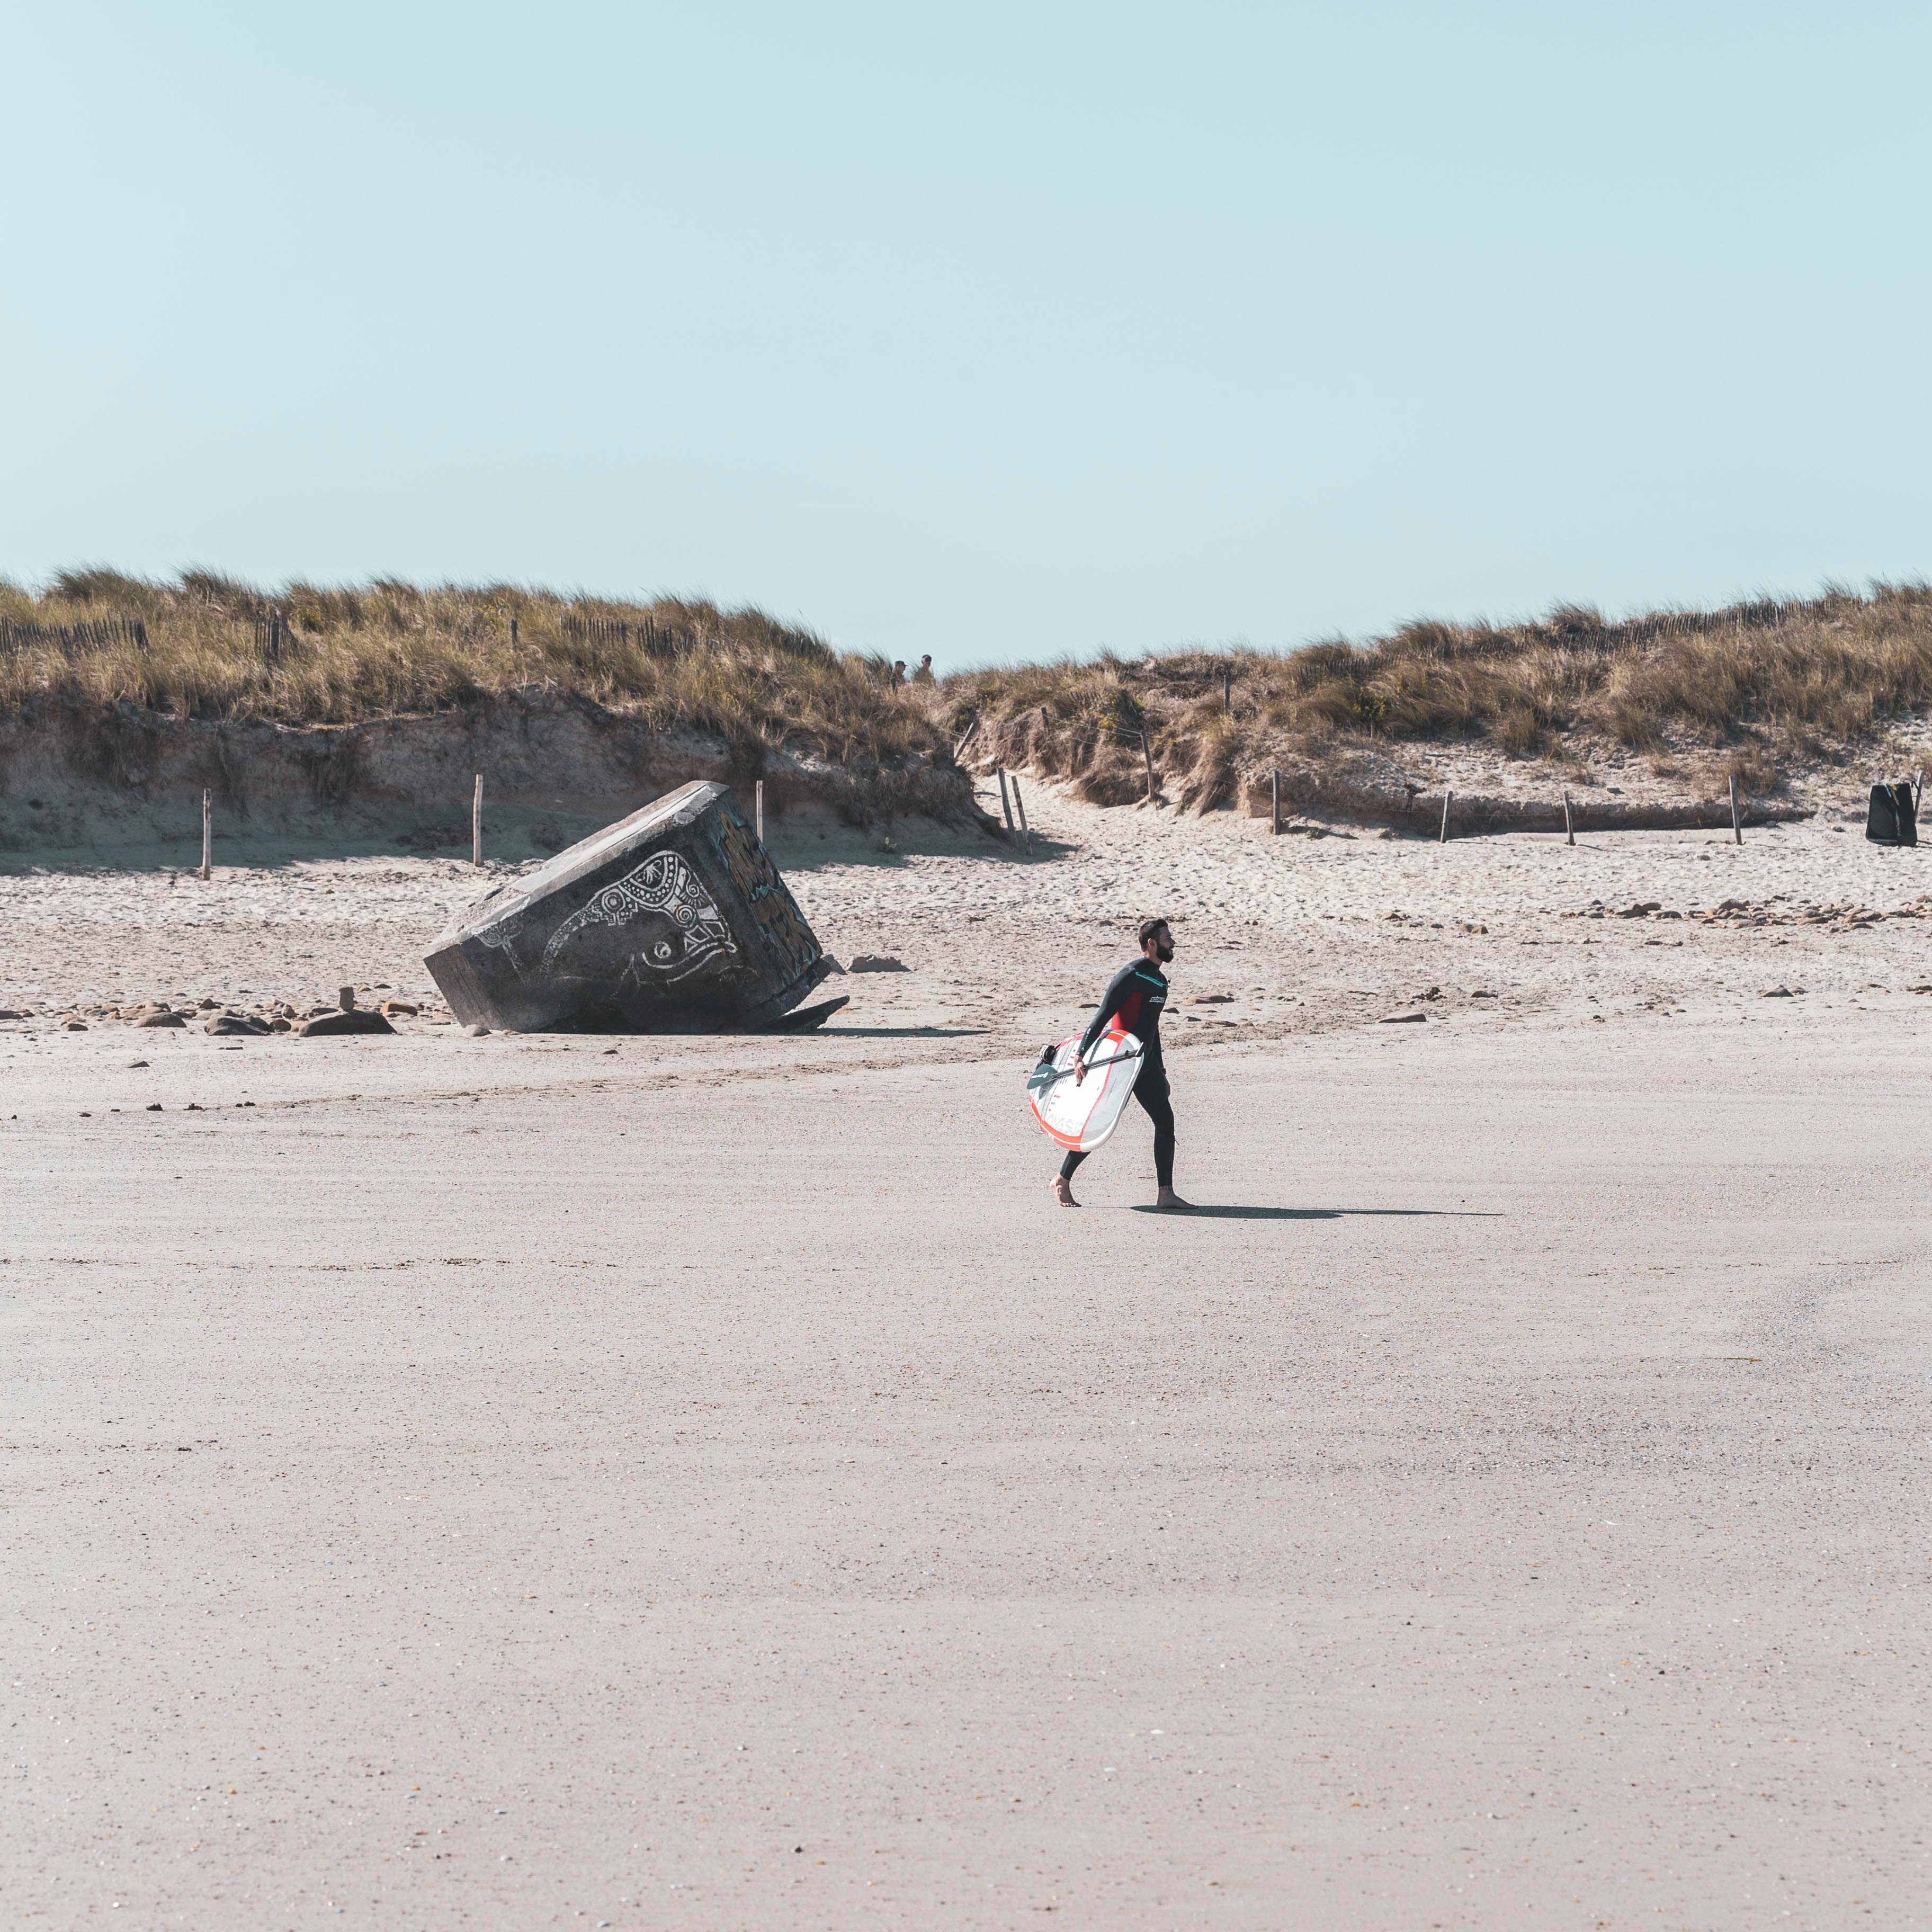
(1081,1117)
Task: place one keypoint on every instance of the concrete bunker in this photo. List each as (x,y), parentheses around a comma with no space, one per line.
(673,920)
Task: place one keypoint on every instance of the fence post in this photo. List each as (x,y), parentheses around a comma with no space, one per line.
(1025,833)
(1737,828)
(1569,825)
(1442,837)
(207,833)
(1005,804)
(476,823)
(1147,756)
(1274,804)
(758,794)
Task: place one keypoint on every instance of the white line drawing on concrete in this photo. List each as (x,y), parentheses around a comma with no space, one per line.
(665,885)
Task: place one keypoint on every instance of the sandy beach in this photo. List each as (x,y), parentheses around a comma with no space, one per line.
(705,1482)
(1302,930)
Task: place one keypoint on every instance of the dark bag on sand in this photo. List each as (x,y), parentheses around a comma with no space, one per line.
(1892,818)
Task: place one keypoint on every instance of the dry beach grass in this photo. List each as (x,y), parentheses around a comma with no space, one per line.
(1751,691)
(1770,693)
(211,647)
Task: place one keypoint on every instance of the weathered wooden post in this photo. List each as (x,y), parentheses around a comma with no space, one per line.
(207,833)
(1025,832)
(476,823)
(1147,757)
(758,808)
(1005,804)
(1442,837)
(1274,804)
(1569,826)
(1737,827)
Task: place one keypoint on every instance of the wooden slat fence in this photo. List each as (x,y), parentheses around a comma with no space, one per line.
(273,636)
(658,641)
(101,633)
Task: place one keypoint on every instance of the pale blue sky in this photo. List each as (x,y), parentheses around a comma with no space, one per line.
(990,331)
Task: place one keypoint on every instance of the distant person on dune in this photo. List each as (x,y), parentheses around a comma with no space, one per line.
(1136,994)
(924,674)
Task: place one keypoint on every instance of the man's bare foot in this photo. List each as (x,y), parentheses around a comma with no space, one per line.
(1063,1191)
(1167,1198)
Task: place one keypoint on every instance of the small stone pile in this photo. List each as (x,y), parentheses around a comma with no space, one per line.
(1640,909)
(1843,917)
(220,1017)
(1746,912)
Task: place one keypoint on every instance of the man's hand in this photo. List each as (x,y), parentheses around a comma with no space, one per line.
(1079,1069)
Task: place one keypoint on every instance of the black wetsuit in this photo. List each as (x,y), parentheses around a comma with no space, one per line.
(1136,994)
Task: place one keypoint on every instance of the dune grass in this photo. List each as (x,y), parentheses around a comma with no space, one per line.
(206,646)
(1758,687)
(1754,687)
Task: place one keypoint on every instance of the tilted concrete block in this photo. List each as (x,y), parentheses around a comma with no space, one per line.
(673,917)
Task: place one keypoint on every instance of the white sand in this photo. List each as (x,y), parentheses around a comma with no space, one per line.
(608,1471)
(1002,941)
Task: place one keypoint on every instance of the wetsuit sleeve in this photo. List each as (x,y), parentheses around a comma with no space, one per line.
(1118,989)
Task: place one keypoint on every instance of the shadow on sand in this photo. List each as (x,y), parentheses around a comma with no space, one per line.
(902,1033)
(965,842)
(511,843)
(1198,1213)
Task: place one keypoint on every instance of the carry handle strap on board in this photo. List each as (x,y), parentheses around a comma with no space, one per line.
(1067,1072)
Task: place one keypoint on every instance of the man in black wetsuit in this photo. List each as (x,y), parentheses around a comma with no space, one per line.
(1136,994)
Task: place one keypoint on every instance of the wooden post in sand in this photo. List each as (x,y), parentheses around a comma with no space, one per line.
(207,833)
(972,725)
(758,796)
(1147,758)
(1006,803)
(1737,828)
(1025,832)
(1274,804)
(1569,824)
(476,823)
(1442,837)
